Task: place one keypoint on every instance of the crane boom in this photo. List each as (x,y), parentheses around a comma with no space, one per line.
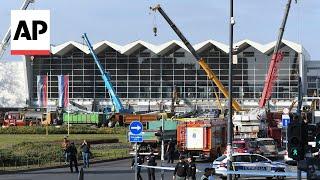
(106,78)
(277,56)
(6,40)
(200,60)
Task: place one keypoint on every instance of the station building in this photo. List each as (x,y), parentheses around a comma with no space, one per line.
(144,74)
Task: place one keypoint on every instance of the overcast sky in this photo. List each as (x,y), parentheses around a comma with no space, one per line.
(124,21)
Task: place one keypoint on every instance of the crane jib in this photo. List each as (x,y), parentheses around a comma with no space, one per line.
(200,60)
(107,80)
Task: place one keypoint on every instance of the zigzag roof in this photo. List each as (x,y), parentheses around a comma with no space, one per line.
(165,47)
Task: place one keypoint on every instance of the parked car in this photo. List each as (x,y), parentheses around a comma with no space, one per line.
(248,162)
(245,146)
(267,147)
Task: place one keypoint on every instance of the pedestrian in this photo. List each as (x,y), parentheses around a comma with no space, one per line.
(192,169)
(73,157)
(140,161)
(65,145)
(208,172)
(85,150)
(170,151)
(151,159)
(180,171)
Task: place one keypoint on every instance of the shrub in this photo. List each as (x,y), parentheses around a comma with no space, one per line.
(75,129)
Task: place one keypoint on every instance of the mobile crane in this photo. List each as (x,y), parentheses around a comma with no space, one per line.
(107,81)
(201,61)
(276,58)
(272,72)
(6,40)
(121,114)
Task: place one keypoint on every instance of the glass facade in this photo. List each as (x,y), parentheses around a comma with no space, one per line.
(144,75)
(313,78)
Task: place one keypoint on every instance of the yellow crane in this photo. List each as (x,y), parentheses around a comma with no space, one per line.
(201,61)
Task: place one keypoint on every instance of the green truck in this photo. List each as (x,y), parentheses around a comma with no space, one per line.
(94,118)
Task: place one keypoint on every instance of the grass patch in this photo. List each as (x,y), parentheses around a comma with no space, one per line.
(21,150)
(74,129)
(7,140)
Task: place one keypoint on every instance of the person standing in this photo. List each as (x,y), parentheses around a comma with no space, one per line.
(73,157)
(65,145)
(85,149)
(170,151)
(140,161)
(180,171)
(192,170)
(151,159)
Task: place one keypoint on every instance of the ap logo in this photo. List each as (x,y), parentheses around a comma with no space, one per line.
(30,32)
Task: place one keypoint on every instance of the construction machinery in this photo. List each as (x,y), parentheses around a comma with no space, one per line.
(276,58)
(249,121)
(6,40)
(107,81)
(201,61)
(120,114)
(115,116)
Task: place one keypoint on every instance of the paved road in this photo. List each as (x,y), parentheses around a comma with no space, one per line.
(116,170)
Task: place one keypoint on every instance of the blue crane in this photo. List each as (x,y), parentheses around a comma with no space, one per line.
(106,78)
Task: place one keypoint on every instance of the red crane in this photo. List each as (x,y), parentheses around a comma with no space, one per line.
(277,57)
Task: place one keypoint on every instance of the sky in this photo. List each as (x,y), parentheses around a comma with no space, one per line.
(124,21)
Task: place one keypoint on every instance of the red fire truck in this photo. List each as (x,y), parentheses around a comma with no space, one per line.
(205,139)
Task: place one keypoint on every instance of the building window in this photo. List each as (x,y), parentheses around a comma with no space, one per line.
(111,54)
(286,54)
(248,54)
(178,54)
(144,54)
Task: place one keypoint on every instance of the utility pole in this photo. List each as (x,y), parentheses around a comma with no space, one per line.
(230,124)
(299,114)
(162,148)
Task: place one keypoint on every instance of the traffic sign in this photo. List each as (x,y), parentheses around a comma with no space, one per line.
(285,120)
(135,138)
(135,127)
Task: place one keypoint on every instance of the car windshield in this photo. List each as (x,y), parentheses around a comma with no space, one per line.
(238,145)
(221,158)
(266,142)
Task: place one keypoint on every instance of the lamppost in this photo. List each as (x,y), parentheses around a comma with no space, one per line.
(230,124)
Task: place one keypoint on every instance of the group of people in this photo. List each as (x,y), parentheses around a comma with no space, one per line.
(70,154)
(184,170)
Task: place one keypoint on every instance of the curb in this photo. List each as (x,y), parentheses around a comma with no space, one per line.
(57,166)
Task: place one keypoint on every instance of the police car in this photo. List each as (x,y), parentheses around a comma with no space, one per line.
(247,162)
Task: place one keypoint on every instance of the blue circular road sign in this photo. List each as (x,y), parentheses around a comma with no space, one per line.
(135,127)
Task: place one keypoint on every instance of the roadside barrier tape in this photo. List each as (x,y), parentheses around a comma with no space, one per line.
(264,173)
(241,172)
(162,167)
